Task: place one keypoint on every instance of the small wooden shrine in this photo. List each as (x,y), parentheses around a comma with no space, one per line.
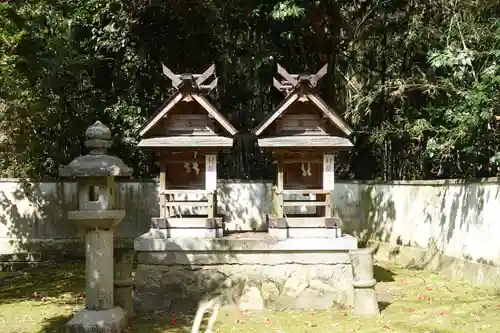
(303,133)
(187,131)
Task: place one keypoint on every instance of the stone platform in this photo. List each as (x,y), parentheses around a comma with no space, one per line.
(257,270)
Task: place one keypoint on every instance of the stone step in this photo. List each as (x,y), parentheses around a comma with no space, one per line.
(17,257)
(16,266)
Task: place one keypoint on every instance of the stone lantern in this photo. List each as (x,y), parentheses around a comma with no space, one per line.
(96,215)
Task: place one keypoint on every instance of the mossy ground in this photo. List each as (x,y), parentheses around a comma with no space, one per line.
(411,301)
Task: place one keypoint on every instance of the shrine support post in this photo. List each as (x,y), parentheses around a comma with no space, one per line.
(211,184)
(278,190)
(328,182)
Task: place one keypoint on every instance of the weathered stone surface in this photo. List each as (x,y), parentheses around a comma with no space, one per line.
(365,297)
(277,273)
(123,299)
(251,299)
(362,264)
(97,163)
(220,257)
(181,282)
(96,215)
(91,220)
(315,299)
(124,261)
(99,270)
(304,233)
(123,282)
(149,276)
(365,302)
(280,286)
(158,240)
(107,321)
(150,301)
(195,233)
(269,291)
(293,287)
(283,273)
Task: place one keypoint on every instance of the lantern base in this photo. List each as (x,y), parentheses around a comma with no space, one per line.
(91,220)
(105,321)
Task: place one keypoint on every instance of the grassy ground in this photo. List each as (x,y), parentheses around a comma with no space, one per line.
(412,301)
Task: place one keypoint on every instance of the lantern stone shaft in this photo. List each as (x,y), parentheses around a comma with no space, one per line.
(96,215)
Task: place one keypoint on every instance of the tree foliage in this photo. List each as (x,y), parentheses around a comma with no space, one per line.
(418,80)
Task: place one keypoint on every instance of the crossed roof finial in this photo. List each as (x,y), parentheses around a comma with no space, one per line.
(292,81)
(192,80)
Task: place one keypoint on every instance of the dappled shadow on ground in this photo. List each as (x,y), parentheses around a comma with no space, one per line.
(383,305)
(54,324)
(46,299)
(46,284)
(382,274)
(173,322)
(415,301)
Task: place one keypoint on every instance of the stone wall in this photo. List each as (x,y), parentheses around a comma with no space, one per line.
(255,273)
(456,217)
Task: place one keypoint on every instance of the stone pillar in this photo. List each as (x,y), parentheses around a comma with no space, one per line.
(365,297)
(99,269)
(124,261)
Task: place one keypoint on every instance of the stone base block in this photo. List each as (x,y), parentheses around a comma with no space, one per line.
(186,222)
(305,227)
(182,233)
(193,233)
(286,286)
(365,302)
(187,227)
(15,266)
(123,299)
(304,233)
(107,321)
(255,273)
(151,300)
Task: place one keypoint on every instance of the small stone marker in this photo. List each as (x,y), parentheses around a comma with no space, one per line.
(365,297)
(124,260)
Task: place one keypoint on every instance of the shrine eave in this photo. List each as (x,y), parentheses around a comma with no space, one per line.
(301,141)
(187,141)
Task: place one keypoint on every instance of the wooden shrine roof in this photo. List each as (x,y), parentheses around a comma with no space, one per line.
(189,87)
(301,88)
(303,141)
(188,141)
